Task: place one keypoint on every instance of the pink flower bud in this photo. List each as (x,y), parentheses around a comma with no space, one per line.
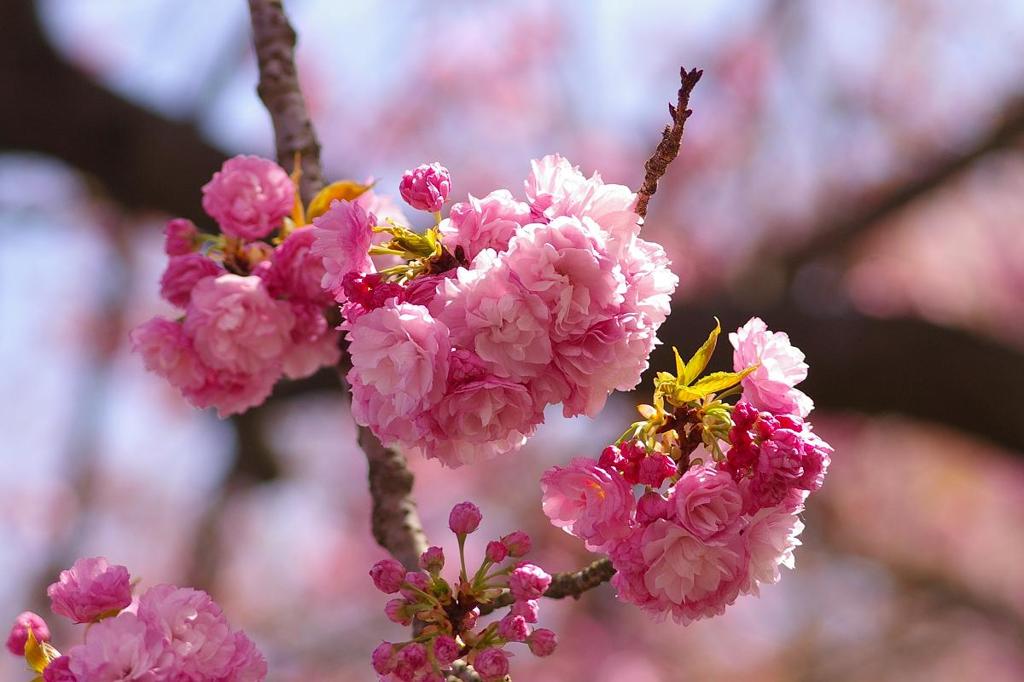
(426,187)
(432,559)
(542,642)
(446,650)
(90,590)
(182,275)
(19,632)
(413,657)
(513,628)
(383,658)
(465,518)
(397,611)
(388,575)
(496,552)
(527,608)
(491,664)
(528,582)
(418,580)
(655,469)
(518,543)
(610,458)
(180,237)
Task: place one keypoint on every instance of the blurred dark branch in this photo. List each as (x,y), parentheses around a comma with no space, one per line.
(274,40)
(143,160)
(837,232)
(569,584)
(671,139)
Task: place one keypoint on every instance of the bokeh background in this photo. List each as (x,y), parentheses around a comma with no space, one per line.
(853,172)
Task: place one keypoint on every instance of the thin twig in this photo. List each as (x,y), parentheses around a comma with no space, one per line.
(570,584)
(274,40)
(396,524)
(671,139)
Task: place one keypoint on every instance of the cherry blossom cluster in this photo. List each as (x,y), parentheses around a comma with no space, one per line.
(252,306)
(447,614)
(500,309)
(168,634)
(699,502)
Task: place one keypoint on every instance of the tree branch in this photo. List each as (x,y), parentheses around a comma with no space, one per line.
(671,139)
(396,523)
(274,40)
(569,584)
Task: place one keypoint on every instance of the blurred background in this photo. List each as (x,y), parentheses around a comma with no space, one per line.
(853,173)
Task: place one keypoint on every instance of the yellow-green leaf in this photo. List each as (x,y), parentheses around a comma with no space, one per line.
(342,190)
(719,381)
(680,365)
(699,362)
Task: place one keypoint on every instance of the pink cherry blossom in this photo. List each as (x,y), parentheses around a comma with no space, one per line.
(180,237)
(59,670)
(426,187)
(491,313)
(566,264)
(771,537)
(479,419)
(249,197)
(513,628)
(781,366)
(91,589)
(167,351)
(314,344)
(193,628)
(399,368)
(667,570)
(236,326)
(650,281)
(587,501)
(24,623)
(486,223)
(182,275)
(296,272)
(247,664)
(342,238)
(707,502)
(121,649)
(527,608)
(232,392)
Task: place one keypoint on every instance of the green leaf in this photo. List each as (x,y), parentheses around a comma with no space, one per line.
(699,362)
(680,365)
(719,381)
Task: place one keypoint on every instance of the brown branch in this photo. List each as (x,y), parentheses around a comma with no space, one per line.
(274,40)
(396,524)
(671,139)
(569,584)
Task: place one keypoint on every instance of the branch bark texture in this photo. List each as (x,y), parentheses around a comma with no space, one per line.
(274,40)
(671,140)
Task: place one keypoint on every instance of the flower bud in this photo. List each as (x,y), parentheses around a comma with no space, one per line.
(518,543)
(432,560)
(491,664)
(655,469)
(446,650)
(417,580)
(413,657)
(397,611)
(383,658)
(180,237)
(388,575)
(513,628)
(426,187)
(19,632)
(528,582)
(652,506)
(527,608)
(465,518)
(496,552)
(542,642)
